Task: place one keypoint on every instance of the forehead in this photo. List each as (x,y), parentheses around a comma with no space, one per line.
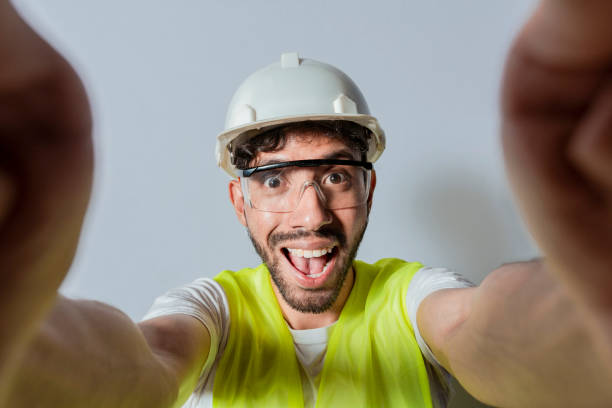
(304,144)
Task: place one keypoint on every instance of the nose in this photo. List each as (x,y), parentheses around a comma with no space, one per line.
(310,213)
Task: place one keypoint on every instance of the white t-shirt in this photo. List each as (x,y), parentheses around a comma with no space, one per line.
(205,300)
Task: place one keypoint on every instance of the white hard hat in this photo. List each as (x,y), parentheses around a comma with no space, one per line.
(295,90)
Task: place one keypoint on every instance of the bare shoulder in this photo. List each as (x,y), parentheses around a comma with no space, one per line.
(444,313)
(439,315)
(180,337)
(182,343)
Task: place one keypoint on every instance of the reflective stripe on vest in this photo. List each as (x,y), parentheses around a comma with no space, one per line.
(372,357)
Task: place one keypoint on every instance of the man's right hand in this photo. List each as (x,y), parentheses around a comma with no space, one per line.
(45,159)
(45,179)
(73,353)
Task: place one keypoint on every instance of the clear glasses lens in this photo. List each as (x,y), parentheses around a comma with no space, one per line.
(280,190)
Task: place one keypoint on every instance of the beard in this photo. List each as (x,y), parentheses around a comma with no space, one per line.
(311,300)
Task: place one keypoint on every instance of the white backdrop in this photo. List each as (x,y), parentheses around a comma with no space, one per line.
(160,74)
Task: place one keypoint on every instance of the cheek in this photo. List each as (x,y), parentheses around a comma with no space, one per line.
(352,221)
(262,224)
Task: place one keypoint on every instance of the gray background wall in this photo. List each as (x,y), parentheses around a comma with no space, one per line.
(161,73)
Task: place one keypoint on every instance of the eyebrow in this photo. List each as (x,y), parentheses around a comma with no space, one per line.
(341,154)
(267,162)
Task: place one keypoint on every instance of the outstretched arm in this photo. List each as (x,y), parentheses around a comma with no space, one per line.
(45,178)
(517,340)
(56,352)
(540,333)
(86,353)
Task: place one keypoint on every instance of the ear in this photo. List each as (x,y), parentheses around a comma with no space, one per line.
(372,187)
(237,199)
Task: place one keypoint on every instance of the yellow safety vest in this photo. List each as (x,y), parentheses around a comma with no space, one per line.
(372,359)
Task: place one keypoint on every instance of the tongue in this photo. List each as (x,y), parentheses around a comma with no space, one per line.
(308,266)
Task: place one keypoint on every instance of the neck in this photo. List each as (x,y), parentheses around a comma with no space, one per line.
(300,321)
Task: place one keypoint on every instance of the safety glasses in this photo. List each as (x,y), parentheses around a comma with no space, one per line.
(279,187)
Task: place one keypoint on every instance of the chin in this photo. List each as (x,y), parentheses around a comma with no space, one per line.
(313,300)
(309,293)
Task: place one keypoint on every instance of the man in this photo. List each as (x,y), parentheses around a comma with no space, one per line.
(533,334)
(301,141)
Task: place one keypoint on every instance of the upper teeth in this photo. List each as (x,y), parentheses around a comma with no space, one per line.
(308,253)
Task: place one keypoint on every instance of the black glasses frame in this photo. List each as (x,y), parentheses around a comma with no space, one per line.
(304,163)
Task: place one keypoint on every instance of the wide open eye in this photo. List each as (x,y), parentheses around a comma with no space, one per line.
(272,182)
(337,177)
(269,180)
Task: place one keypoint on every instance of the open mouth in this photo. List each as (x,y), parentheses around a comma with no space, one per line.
(311,265)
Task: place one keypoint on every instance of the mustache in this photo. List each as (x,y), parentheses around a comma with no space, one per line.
(280,237)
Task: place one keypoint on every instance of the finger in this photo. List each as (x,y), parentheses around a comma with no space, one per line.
(7,196)
(591,147)
(24,55)
(570,33)
(556,68)
(541,107)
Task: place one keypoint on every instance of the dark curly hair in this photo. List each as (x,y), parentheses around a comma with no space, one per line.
(353,135)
